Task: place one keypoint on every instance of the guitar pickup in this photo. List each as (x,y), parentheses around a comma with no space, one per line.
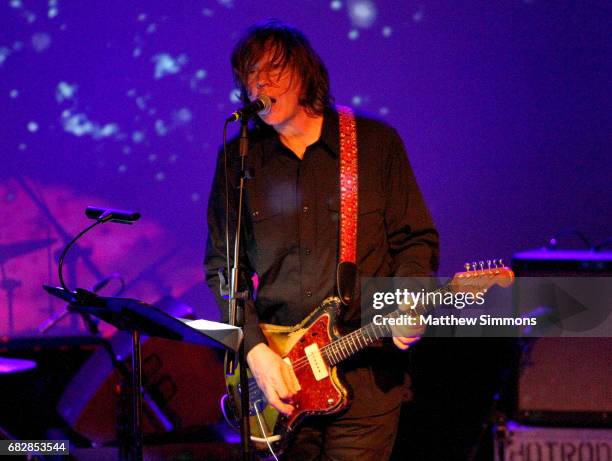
(317,364)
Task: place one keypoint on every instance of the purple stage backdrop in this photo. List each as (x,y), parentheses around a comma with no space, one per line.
(504,108)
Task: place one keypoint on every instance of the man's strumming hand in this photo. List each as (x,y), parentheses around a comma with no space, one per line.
(274,377)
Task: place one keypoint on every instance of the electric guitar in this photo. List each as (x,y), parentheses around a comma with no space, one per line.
(314,348)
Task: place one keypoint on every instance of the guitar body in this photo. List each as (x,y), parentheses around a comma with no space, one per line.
(322,392)
(318,395)
(314,347)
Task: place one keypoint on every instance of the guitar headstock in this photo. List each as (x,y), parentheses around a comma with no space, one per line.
(482,275)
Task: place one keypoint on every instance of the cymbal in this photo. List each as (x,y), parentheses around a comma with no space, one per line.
(12,250)
(8,365)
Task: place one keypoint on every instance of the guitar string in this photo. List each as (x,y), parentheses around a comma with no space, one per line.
(348,341)
(345,347)
(341,344)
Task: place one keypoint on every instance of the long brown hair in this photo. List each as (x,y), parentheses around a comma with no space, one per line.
(288,47)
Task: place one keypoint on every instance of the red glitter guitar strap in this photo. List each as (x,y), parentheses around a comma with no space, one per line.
(349,204)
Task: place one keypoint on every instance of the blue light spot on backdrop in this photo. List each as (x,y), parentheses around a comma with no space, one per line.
(226,3)
(4,54)
(235,96)
(182,116)
(64,91)
(80,125)
(362,12)
(40,42)
(418,14)
(165,64)
(161,128)
(52,10)
(137,137)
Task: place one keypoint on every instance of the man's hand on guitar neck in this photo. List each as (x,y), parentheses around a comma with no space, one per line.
(274,377)
(405,336)
(404,342)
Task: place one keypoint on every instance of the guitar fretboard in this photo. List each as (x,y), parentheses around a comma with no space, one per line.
(348,345)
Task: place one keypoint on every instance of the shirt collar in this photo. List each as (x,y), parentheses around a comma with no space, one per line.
(330,132)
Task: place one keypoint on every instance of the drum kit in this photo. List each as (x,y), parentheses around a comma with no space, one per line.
(7,252)
(9,365)
(9,285)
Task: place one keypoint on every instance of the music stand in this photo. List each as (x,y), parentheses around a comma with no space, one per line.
(140,318)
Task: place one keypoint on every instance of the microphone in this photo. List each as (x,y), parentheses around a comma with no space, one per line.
(261,106)
(110,214)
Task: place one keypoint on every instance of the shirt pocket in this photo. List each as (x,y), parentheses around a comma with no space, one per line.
(371,225)
(370,222)
(268,223)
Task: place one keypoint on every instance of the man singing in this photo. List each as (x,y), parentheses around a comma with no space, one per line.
(291,235)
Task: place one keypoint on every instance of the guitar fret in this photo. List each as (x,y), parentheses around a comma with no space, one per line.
(359,339)
(344,344)
(341,349)
(365,330)
(335,351)
(348,344)
(374,331)
(331,359)
(326,354)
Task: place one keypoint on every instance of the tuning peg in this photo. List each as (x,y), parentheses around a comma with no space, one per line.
(501,263)
(467,266)
(481,264)
(474,265)
(488,264)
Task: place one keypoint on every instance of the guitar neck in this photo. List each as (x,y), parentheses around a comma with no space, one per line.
(348,345)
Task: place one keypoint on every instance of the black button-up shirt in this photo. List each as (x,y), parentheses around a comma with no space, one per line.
(291,232)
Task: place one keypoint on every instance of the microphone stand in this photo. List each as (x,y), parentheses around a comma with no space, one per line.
(237,299)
